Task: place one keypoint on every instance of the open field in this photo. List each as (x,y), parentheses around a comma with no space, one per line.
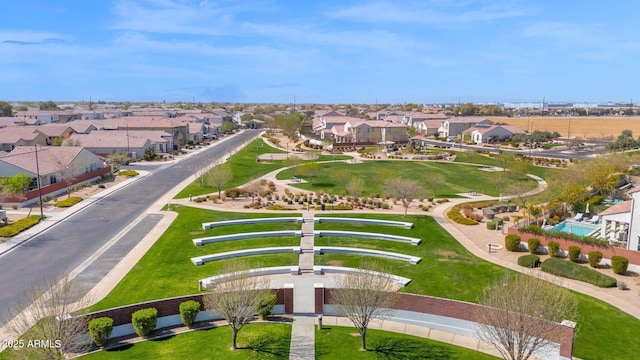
(596,127)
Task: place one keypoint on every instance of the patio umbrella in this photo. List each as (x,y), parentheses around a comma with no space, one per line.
(586,211)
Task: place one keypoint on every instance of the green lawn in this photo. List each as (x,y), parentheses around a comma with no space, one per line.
(255,341)
(474,157)
(458,178)
(336,342)
(166,269)
(245,168)
(447,270)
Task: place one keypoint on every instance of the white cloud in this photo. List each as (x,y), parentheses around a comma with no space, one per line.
(29,36)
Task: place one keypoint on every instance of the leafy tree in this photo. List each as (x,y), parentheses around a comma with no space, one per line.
(16,184)
(309,170)
(624,141)
(247,117)
(355,186)
(521,313)
(493,110)
(342,177)
(363,295)
(290,124)
(601,174)
(227,126)
(219,176)
(292,162)
(48,105)
(6,109)
(434,180)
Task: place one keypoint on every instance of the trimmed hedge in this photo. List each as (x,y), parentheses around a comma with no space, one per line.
(571,270)
(594,258)
(265,305)
(619,264)
(574,253)
(537,230)
(130,173)
(19,226)
(533,244)
(188,311)
(529,261)
(144,321)
(68,202)
(512,242)
(100,330)
(554,248)
(455,216)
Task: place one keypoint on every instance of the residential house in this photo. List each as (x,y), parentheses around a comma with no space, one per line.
(371,131)
(428,127)
(54,132)
(323,125)
(615,223)
(485,133)
(57,167)
(456,125)
(132,142)
(11,137)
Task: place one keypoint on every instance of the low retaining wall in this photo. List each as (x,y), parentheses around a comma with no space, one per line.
(322,269)
(274,270)
(242,236)
(199,260)
(438,309)
(169,311)
(366,252)
(607,252)
(407,225)
(209,225)
(405,239)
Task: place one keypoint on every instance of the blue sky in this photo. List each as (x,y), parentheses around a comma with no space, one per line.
(319,51)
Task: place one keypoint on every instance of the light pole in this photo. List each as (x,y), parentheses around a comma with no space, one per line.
(39,185)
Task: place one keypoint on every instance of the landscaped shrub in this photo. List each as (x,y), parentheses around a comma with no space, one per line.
(512,242)
(68,202)
(19,226)
(188,311)
(571,270)
(533,244)
(278,207)
(574,253)
(619,264)
(100,330)
(144,321)
(529,261)
(554,248)
(455,216)
(265,305)
(128,173)
(594,258)
(491,225)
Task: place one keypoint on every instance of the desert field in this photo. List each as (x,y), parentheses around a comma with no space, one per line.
(584,127)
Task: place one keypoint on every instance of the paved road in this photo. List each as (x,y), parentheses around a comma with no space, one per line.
(63,247)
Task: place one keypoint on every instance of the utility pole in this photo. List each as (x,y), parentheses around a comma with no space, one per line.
(39,185)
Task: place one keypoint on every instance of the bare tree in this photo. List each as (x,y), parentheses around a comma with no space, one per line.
(521,314)
(342,177)
(219,176)
(434,180)
(235,298)
(253,188)
(292,161)
(403,189)
(363,295)
(355,186)
(67,174)
(42,321)
(199,169)
(309,170)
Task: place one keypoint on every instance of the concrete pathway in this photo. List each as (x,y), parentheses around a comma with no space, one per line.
(303,327)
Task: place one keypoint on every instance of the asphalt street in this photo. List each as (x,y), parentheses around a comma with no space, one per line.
(63,247)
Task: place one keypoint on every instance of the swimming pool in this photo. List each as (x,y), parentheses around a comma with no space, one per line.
(575,228)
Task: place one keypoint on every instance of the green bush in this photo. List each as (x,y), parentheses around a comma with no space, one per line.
(554,248)
(533,244)
(130,173)
(144,321)
(188,311)
(619,264)
(455,216)
(594,258)
(529,261)
(571,270)
(574,253)
(68,202)
(100,330)
(596,200)
(512,242)
(491,225)
(265,305)
(19,226)
(279,207)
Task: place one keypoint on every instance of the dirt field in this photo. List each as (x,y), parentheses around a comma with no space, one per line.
(583,127)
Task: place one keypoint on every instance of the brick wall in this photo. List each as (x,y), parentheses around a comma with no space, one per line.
(607,252)
(171,306)
(453,309)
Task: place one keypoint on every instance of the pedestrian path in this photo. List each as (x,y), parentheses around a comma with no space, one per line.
(303,328)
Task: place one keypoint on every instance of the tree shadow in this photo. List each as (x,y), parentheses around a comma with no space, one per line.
(268,347)
(401,349)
